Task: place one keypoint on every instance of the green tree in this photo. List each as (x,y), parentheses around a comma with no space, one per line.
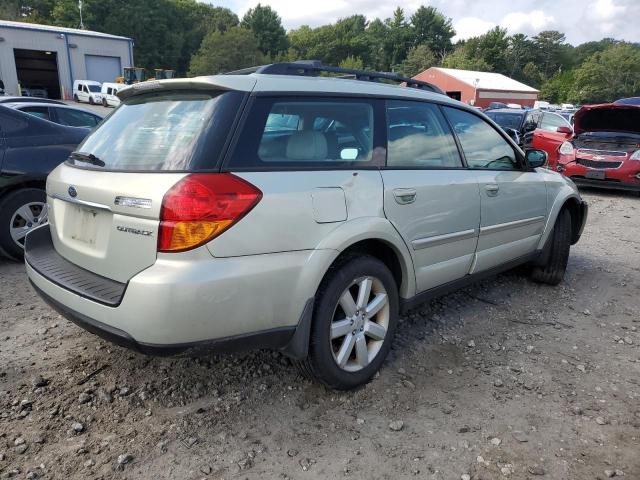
(433,29)
(608,75)
(461,59)
(33,11)
(266,26)
(376,37)
(531,75)
(552,51)
(418,60)
(198,19)
(354,63)
(520,52)
(225,51)
(585,50)
(492,47)
(331,43)
(398,37)
(557,89)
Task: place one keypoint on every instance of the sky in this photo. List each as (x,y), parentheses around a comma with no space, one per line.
(580,20)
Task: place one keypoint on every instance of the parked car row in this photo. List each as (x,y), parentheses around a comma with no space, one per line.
(601,148)
(168,219)
(36,135)
(91,92)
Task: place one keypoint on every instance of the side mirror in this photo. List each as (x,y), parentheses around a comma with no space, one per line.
(565,130)
(536,158)
(348,153)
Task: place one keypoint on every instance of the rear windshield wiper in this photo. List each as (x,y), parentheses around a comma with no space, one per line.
(88,158)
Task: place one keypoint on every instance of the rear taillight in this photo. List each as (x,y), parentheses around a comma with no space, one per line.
(200,207)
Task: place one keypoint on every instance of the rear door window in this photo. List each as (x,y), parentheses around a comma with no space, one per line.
(419,137)
(551,122)
(41,112)
(163,131)
(76,118)
(307,132)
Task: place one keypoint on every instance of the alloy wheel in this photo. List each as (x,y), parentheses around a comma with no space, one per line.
(25,219)
(360,323)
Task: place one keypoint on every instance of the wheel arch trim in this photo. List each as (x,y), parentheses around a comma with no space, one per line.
(376,229)
(564,198)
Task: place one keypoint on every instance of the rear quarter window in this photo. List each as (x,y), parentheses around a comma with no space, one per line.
(301,132)
(168,131)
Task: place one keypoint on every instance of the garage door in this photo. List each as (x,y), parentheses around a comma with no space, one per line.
(102,69)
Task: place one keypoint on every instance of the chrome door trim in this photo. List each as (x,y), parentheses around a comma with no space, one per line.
(421,243)
(84,203)
(500,227)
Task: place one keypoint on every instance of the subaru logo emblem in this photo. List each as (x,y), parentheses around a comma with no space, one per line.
(73,193)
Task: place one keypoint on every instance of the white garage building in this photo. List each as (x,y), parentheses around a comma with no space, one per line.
(51,57)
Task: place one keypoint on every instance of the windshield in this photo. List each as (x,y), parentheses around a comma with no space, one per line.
(162,131)
(506,120)
(94,88)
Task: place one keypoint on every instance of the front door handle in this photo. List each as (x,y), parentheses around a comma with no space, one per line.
(405,196)
(492,190)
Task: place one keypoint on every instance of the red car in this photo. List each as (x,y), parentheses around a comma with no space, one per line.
(605,149)
(553,130)
(534,129)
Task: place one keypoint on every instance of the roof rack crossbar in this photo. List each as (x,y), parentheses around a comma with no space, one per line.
(315,67)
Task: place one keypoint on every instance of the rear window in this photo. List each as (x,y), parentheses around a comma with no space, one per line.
(306,133)
(162,131)
(506,120)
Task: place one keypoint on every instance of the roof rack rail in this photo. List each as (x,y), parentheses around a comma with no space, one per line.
(313,68)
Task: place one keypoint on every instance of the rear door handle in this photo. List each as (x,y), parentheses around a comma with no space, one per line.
(492,190)
(404,196)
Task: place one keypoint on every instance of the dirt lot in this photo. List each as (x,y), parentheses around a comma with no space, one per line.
(504,379)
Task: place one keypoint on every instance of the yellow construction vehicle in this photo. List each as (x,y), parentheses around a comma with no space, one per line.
(132,75)
(164,74)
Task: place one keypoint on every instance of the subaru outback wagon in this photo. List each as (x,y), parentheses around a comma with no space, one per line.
(278,208)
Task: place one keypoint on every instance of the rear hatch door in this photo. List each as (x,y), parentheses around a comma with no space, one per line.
(105,200)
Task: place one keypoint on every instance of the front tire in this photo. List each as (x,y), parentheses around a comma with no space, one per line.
(104,102)
(20,212)
(552,272)
(76,99)
(91,102)
(354,321)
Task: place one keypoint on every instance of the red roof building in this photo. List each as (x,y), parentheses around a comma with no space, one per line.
(479,88)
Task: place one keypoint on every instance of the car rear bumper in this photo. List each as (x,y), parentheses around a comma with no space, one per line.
(192,301)
(276,338)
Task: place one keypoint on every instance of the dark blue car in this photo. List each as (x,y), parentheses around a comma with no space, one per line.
(628,101)
(30,148)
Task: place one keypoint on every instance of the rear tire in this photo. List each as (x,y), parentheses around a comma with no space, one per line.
(552,272)
(350,339)
(20,212)
(91,102)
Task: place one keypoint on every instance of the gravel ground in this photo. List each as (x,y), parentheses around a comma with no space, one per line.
(506,379)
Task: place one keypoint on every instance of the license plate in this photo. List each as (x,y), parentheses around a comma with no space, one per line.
(595,175)
(82,225)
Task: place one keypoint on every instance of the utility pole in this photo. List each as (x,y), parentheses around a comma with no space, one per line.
(80,8)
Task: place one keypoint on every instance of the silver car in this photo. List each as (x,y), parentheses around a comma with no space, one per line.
(280,209)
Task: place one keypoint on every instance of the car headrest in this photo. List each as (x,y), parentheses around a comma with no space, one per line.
(307,145)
